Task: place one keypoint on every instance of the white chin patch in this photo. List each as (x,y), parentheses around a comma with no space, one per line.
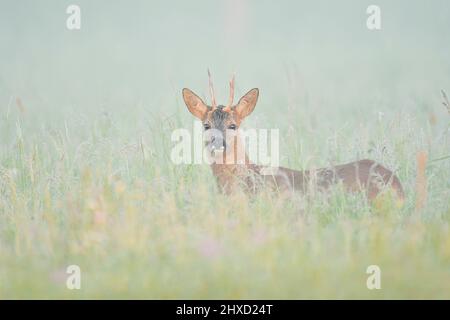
(217,152)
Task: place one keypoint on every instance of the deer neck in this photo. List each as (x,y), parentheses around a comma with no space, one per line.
(235,165)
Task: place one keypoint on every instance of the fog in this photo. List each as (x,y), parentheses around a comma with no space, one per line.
(144,52)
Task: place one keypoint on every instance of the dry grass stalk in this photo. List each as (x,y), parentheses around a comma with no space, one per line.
(421,180)
(20,105)
(446,103)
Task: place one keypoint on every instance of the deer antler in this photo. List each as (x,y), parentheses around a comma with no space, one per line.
(211,91)
(230,100)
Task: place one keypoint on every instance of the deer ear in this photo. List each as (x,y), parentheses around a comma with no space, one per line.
(195,105)
(247,103)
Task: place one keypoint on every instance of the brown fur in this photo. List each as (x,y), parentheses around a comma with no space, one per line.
(364,175)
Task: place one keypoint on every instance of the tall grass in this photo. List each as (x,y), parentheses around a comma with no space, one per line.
(97,189)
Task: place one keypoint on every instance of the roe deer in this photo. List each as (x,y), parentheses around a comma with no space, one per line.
(364,175)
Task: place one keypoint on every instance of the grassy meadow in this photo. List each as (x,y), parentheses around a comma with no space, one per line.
(86,176)
(101,195)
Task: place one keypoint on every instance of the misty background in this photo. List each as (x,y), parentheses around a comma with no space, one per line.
(142,53)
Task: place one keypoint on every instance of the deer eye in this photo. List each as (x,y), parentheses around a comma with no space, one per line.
(206,126)
(232,127)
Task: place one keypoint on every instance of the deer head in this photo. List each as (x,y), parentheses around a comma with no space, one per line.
(220,122)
